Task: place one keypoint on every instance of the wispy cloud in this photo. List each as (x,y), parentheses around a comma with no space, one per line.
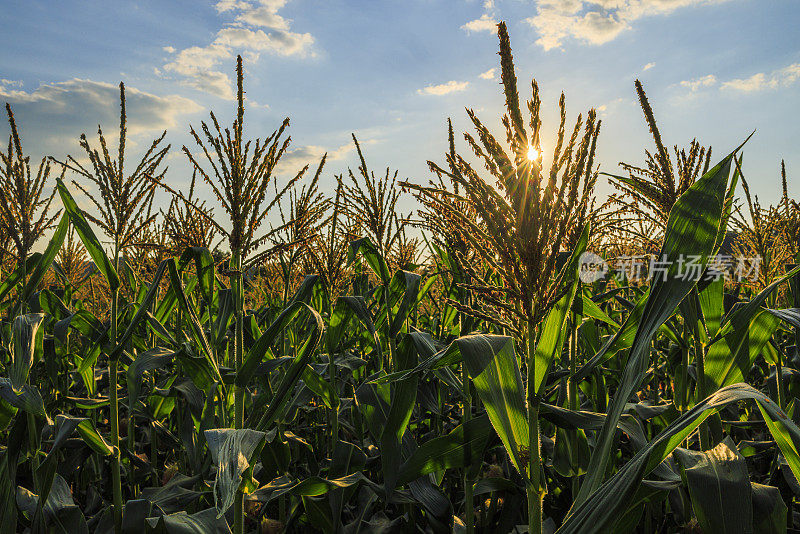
(649,66)
(452,86)
(488,75)
(604,109)
(486,23)
(596,21)
(257,28)
(54,114)
(762,81)
(696,84)
(10,83)
(294,160)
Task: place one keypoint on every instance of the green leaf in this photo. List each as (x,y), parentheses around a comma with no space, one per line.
(691,232)
(367,249)
(90,241)
(59,510)
(729,360)
(27,338)
(298,366)
(493,368)
(551,339)
(345,308)
(622,339)
(64,428)
(205,269)
(769,510)
(603,507)
(448,451)
(157,358)
(373,402)
(320,387)
(205,522)
(141,313)
(591,309)
(93,439)
(711,304)
(571,453)
(14,278)
(233,452)
(313,486)
(45,260)
(403,398)
(134,515)
(52,305)
(188,309)
(26,398)
(719,487)
(260,348)
(404,288)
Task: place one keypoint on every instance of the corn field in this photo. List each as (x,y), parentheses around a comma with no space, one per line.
(283,357)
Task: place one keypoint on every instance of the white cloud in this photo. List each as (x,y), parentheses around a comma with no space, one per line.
(699,83)
(54,115)
(294,160)
(756,82)
(603,109)
(266,15)
(229,5)
(486,23)
(256,28)
(443,89)
(280,43)
(10,83)
(649,66)
(761,81)
(488,75)
(596,21)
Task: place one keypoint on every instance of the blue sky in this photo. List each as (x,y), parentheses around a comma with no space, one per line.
(392,71)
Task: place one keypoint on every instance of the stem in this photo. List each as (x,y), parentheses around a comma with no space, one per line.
(534,491)
(469,501)
(34,444)
(685,371)
(22,302)
(572,385)
(114,421)
(572,396)
(779,378)
(116,479)
(32,434)
(699,354)
(154,452)
(335,408)
(238,391)
(389,336)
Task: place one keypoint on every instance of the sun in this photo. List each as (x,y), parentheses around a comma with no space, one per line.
(533,153)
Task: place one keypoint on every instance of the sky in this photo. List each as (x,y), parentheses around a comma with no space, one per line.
(393,71)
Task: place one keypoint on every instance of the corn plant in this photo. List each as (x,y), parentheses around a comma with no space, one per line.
(24,203)
(317,361)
